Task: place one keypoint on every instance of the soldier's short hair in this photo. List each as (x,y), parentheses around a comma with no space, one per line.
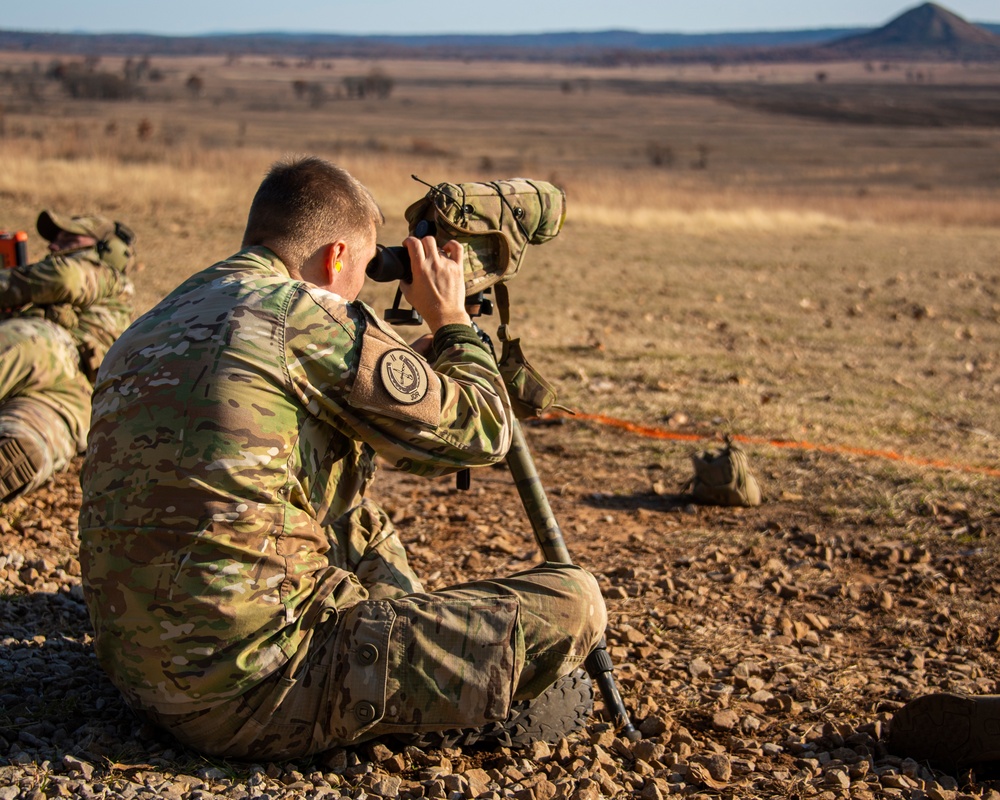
(304,203)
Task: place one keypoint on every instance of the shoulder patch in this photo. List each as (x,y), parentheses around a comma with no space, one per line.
(402,376)
(394,381)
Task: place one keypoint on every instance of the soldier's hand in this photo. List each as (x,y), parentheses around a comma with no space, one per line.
(438,287)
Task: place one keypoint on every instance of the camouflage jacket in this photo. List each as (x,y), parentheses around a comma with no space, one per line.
(232,424)
(74,289)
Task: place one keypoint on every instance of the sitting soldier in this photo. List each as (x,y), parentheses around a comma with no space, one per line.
(245,593)
(58,317)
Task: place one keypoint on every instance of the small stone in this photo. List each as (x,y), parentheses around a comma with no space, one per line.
(654,789)
(653,725)
(587,790)
(478,780)
(74,764)
(725,720)
(719,767)
(838,778)
(335,760)
(379,753)
(544,790)
(700,668)
(648,751)
(540,751)
(387,786)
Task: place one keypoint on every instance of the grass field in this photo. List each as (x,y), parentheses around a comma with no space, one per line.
(794,278)
(722,270)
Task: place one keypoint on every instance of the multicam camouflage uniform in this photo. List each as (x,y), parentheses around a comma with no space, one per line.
(58,318)
(243,592)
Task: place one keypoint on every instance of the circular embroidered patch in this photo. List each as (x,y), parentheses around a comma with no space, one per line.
(402,377)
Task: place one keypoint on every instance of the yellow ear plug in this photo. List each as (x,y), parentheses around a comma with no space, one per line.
(338,266)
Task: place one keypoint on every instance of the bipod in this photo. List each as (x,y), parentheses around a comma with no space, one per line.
(553,546)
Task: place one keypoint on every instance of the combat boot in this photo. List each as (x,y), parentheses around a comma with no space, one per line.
(948,730)
(562,709)
(20,461)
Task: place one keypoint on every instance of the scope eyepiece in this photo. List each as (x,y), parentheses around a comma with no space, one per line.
(390,264)
(393,263)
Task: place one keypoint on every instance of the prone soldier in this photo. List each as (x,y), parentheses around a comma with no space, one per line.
(245,593)
(58,317)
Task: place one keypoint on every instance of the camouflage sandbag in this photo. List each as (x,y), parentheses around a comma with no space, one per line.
(724,478)
(493,221)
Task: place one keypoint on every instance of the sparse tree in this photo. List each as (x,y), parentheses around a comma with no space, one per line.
(660,155)
(195,85)
(80,81)
(702,160)
(354,86)
(317,95)
(375,84)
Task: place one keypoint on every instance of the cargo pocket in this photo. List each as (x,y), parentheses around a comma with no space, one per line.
(363,645)
(451,662)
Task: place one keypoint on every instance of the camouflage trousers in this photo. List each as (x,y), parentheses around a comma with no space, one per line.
(44,402)
(402,660)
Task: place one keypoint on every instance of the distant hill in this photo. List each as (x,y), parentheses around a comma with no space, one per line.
(925,32)
(565,45)
(928,31)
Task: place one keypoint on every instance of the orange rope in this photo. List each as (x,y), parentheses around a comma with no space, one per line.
(651,432)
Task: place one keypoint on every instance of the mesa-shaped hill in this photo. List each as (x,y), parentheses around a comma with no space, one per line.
(925,32)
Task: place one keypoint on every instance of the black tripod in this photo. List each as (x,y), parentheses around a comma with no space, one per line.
(553,546)
(536,505)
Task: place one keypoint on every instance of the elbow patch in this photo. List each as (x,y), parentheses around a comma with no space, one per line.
(394,381)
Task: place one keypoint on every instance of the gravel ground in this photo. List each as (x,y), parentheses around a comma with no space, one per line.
(761,652)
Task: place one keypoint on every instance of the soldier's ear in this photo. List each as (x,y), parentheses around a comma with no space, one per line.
(333,263)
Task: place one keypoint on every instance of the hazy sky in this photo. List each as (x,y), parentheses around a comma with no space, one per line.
(507,16)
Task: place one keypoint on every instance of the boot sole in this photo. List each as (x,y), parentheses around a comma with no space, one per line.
(17,469)
(947,729)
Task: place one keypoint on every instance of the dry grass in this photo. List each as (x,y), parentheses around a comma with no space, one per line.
(770,276)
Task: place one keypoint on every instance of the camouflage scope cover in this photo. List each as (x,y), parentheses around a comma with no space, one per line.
(493,222)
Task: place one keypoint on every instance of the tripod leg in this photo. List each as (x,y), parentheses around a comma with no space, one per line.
(553,546)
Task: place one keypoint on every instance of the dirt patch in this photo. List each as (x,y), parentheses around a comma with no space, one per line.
(761,651)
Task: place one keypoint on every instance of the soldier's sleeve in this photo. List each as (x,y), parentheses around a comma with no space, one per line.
(59,279)
(430,419)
